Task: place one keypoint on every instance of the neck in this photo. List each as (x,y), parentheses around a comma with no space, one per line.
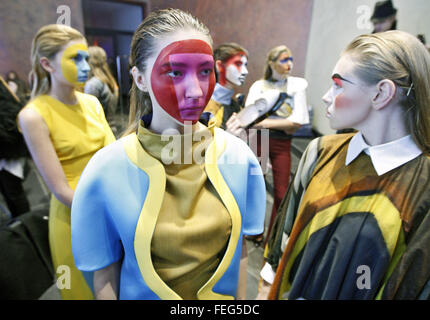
(163,123)
(64,93)
(278,77)
(387,125)
(228,85)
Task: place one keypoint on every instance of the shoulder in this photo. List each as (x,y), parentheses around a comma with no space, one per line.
(41,104)
(90,102)
(213,106)
(334,141)
(235,148)
(332,145)
(329,144)
(86,97)
(258,84)
(297,83)
(34,113)
(109,157)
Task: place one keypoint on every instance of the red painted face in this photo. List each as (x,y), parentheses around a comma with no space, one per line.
(183,80)
(340,100)
(237,65)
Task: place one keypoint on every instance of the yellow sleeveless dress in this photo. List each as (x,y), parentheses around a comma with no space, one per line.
(77,132)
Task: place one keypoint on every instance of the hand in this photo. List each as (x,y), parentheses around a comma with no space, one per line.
(234,126)
(263,290)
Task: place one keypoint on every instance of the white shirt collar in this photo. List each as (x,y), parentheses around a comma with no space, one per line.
(222,94)
(385,157)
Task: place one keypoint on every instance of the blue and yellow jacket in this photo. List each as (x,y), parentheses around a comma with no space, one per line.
(118,199)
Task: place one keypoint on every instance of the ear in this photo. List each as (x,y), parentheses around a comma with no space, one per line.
(385,93)
(139,79)
(219,65)
(46,64)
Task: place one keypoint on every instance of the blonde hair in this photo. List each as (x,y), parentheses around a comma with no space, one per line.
(48,41)
(156,25)
(403,59)
(100,69)
(272,56)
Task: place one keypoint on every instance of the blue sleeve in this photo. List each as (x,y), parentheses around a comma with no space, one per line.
(95,239)
(253,220)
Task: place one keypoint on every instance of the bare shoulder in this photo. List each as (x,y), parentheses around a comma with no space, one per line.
(29,119)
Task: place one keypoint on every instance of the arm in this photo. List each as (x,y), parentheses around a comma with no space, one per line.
(234,126)
(241,288)
(106,282)
(36,135)
(279,124)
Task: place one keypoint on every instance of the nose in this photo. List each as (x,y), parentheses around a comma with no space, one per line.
(193,89)
(244,70)
(327,98)
(86,67)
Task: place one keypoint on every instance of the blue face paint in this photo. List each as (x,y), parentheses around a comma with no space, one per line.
(82,66)
(74,64)
(285,60)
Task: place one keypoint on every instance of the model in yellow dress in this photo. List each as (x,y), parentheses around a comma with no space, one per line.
(63,128)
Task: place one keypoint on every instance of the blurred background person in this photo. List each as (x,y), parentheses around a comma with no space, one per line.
(18,86)
(284,122)
(231,65)
(12,153)
(102,84)
(384,17)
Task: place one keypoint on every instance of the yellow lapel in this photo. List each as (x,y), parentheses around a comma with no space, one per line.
(148,216)
(213,152)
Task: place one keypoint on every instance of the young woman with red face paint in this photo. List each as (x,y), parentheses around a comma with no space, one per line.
(292,114)
(231,63)
(355,221)
(63,128)
(159,226)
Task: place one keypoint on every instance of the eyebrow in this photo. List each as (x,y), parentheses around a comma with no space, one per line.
(338,76)
(181,64)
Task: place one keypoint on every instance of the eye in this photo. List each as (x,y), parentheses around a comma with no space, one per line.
(337,83)
(174,74)
(77,58)
(206,72)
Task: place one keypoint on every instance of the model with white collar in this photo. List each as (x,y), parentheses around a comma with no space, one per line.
(355,222)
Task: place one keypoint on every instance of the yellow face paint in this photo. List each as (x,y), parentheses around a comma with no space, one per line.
(74,65)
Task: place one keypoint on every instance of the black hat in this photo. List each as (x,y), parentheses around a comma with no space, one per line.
(383,9)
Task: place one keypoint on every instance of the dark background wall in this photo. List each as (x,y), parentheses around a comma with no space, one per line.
(19,22)
(255,24)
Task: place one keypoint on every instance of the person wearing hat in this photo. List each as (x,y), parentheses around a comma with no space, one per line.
(384,17)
